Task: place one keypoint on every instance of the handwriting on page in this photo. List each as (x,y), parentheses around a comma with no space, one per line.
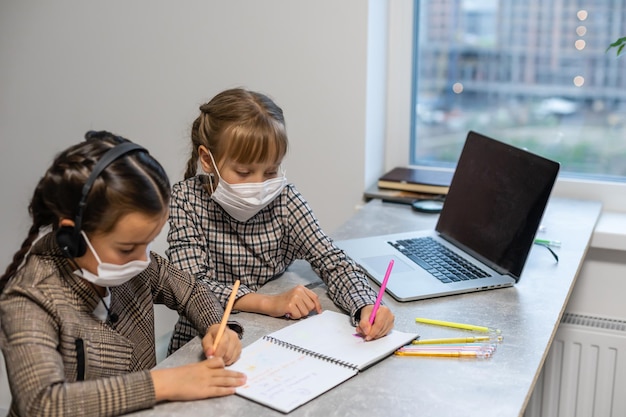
(286,378)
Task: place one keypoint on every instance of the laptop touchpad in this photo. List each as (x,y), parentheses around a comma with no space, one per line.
(379,264)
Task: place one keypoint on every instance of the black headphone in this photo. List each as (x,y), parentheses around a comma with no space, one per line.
(69,238)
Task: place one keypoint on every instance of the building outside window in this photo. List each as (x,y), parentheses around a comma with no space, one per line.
(532,73)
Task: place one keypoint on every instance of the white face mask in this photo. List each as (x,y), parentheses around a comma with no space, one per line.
(242,201)
(111,275)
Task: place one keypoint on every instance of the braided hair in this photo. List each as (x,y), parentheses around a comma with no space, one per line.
(135,182)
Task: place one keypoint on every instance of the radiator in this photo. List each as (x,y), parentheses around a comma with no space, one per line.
(584,374)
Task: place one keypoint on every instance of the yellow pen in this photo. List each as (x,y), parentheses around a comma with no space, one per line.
(483,329)
(481,347)
(446,354)
(470,339)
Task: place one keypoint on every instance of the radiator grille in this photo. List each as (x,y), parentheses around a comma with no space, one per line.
(590,321)
(584,374)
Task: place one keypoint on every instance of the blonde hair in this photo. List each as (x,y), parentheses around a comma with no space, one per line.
(239,125)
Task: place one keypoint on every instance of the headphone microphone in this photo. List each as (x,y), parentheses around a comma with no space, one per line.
(69,238)
(113,317)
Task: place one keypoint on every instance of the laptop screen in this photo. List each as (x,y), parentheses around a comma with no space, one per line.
(496,201)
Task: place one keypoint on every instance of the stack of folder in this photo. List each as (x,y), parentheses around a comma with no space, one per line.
(409,184)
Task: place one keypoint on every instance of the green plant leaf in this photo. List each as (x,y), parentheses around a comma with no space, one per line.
(619,44)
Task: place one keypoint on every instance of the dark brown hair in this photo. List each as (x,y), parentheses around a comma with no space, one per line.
(135,182)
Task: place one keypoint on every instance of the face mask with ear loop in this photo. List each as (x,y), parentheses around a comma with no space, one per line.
(112,275)
(243,201)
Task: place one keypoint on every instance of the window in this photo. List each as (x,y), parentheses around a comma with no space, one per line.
(533,74)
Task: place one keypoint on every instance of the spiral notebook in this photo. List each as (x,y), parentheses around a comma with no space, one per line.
(296,364)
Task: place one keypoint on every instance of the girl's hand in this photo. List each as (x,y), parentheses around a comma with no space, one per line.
(383,322)
(296,303)
(196,381)
(229,347)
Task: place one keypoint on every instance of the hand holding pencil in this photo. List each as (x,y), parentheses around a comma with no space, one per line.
(374,323)
(221,341)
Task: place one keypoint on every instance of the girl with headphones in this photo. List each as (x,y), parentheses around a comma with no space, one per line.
(76,303)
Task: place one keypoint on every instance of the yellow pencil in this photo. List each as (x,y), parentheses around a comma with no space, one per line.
(447,354)
(470,339)
(229,307)
(483,329)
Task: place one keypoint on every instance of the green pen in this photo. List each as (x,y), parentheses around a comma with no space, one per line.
(547,242)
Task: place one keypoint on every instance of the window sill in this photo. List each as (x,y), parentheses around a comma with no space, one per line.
(610,231)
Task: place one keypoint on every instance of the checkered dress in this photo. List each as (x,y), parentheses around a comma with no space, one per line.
(218,250)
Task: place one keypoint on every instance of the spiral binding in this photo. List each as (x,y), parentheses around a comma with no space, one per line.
(311,353)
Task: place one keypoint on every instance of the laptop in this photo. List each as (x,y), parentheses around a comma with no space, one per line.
(487,225)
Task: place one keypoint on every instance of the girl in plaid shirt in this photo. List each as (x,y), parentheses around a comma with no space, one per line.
(77,327)
(239,219)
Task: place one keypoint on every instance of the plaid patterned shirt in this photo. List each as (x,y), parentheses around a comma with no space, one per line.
(64,361)
(204,240)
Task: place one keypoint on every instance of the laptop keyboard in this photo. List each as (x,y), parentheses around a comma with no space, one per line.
(440,261)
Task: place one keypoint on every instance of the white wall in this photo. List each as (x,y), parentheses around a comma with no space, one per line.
(142,68)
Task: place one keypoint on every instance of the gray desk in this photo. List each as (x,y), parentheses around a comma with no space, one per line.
(528,315)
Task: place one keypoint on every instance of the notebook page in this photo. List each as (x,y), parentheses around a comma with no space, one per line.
(331,334)
(284,379)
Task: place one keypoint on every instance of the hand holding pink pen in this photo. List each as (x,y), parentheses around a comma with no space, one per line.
(381,292)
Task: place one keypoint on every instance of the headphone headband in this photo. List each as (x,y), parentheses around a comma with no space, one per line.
(68,237)
(106,160)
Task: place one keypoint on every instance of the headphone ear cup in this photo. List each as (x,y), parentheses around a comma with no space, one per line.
(71,243)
